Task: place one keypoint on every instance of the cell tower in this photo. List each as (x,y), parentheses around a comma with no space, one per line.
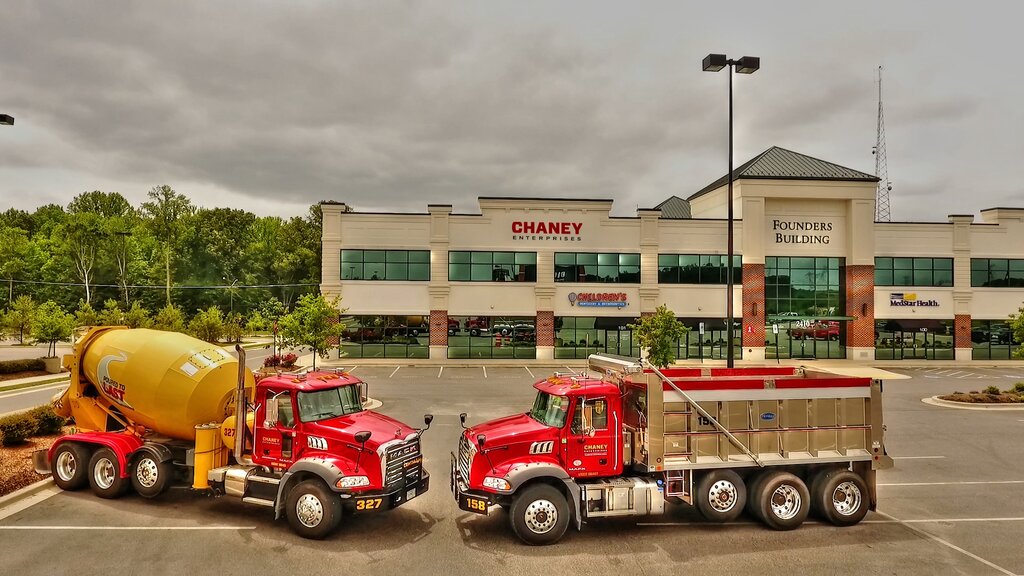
(882,211)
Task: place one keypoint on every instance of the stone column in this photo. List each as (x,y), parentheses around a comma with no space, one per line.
(545,335)
(545,298)
(964,350)
(860,303)
(439,288)
(962,294)
(753,312)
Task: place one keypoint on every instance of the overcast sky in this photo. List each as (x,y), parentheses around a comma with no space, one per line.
(272,106)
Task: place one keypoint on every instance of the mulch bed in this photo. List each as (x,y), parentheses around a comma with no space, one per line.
(26,374)
(16,470)
(982,398)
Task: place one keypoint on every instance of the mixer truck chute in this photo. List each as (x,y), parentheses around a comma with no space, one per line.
(154,409)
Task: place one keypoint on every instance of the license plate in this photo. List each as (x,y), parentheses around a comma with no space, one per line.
(410,494)
(473,504)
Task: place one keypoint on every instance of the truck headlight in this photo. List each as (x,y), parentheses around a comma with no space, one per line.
(353,481)
(496,483)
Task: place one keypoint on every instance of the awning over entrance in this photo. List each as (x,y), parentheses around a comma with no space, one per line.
(914,325)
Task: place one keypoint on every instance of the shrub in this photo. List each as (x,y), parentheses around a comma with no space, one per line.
(288,360)
(14,429)
(991,390)
(170,318)
(25,365)
(46,420)
(1019,387)
(272,361)
(207,324)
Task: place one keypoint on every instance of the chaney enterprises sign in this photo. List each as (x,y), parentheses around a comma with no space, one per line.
(909,299)
(547,230)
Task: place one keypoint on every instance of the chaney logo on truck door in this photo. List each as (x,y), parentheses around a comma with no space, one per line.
(542,447)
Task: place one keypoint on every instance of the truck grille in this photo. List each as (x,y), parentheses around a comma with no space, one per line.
(465,457)
(403,460)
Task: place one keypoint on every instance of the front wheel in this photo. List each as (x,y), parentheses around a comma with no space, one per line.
(105,474)
(150,477)
(70,466)
(539,515)
(313,510)
(721,495)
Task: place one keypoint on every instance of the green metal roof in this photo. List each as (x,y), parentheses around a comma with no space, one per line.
(781,164)
(675,208)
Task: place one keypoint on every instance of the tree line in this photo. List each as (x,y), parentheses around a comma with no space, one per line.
(100,254)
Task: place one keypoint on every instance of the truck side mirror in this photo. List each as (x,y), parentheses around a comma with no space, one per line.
(362,437)
(271,417)
(462,420)
(427,419)
(480,439)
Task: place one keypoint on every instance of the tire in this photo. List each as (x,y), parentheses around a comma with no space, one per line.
(150,477)
(721,495)
(840,497)
(105,474)
(783,500)
(474,332)
(70,466)
(753,491)
(539,515)
(313,510)
(451,332)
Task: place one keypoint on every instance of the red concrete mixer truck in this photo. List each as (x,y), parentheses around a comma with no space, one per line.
(154,409)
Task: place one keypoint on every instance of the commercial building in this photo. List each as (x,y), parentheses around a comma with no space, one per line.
(547,278)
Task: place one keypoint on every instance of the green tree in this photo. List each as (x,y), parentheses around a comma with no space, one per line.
(22,316)
(103,204)
(658,333)
(52,324)
(256,323)
(233,327)
(15,256)
(170,318)
(111,315)
(137,316)
(80,239)
(165,215)
(207,324)
(1017,328)
(313,323)
(86,315)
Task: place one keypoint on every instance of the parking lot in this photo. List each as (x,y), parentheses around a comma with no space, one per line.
(952,504)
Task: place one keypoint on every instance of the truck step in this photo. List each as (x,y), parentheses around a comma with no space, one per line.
(264,479)
(258,501)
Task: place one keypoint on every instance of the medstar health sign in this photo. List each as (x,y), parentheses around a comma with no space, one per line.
(909,299)
(599,299)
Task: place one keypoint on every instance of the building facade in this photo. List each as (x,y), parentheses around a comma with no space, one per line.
(815,275)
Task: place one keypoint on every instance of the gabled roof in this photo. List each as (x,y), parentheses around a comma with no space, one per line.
(781,164)
(675,208)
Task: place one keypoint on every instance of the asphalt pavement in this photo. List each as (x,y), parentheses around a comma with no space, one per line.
(951,505)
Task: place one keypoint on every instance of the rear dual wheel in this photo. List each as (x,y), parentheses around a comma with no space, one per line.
(105,474)
(70,466)
(780,500)
(840,497)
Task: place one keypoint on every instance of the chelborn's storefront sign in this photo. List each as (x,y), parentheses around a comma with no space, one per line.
(910,299)
(556,230)
(599,299)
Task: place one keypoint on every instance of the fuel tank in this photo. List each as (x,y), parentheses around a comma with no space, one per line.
(166,381)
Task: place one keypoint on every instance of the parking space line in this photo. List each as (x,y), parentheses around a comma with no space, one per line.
(485,371)
(951,483)
(396,370)
(943,520)
(127,527)
(440,371)
(917,457)
(527,368)
(948,544)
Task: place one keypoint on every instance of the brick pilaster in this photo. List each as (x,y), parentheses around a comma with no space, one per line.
(438,327)
(753,306)
(860,303)
(962,331)
(545,328)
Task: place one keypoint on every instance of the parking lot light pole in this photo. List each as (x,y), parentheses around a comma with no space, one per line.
(745,65)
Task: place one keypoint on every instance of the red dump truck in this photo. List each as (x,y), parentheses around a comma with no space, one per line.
(624,438)
(156,409)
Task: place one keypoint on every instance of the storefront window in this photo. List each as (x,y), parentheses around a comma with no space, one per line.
(914,339)
(465,266)
(385,265)
(913,271)
(707,339)
(992,340)
(597,267)
(805,306)
(579,337)
(372,336)
(492,337)
(997,272)
(697,269)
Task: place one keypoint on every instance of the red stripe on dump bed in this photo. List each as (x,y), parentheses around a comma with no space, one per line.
(758,384)
(733,372)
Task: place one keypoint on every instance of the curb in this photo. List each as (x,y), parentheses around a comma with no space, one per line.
(936,401)
(25,492)
(18,383)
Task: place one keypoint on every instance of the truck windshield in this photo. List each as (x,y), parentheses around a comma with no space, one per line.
(329,403)
(550,410)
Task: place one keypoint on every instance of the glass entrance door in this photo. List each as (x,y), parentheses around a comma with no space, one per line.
(619,342)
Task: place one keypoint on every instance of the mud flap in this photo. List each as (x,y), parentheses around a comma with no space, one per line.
(41,461)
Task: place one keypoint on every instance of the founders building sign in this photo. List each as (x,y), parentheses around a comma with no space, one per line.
(801,231)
